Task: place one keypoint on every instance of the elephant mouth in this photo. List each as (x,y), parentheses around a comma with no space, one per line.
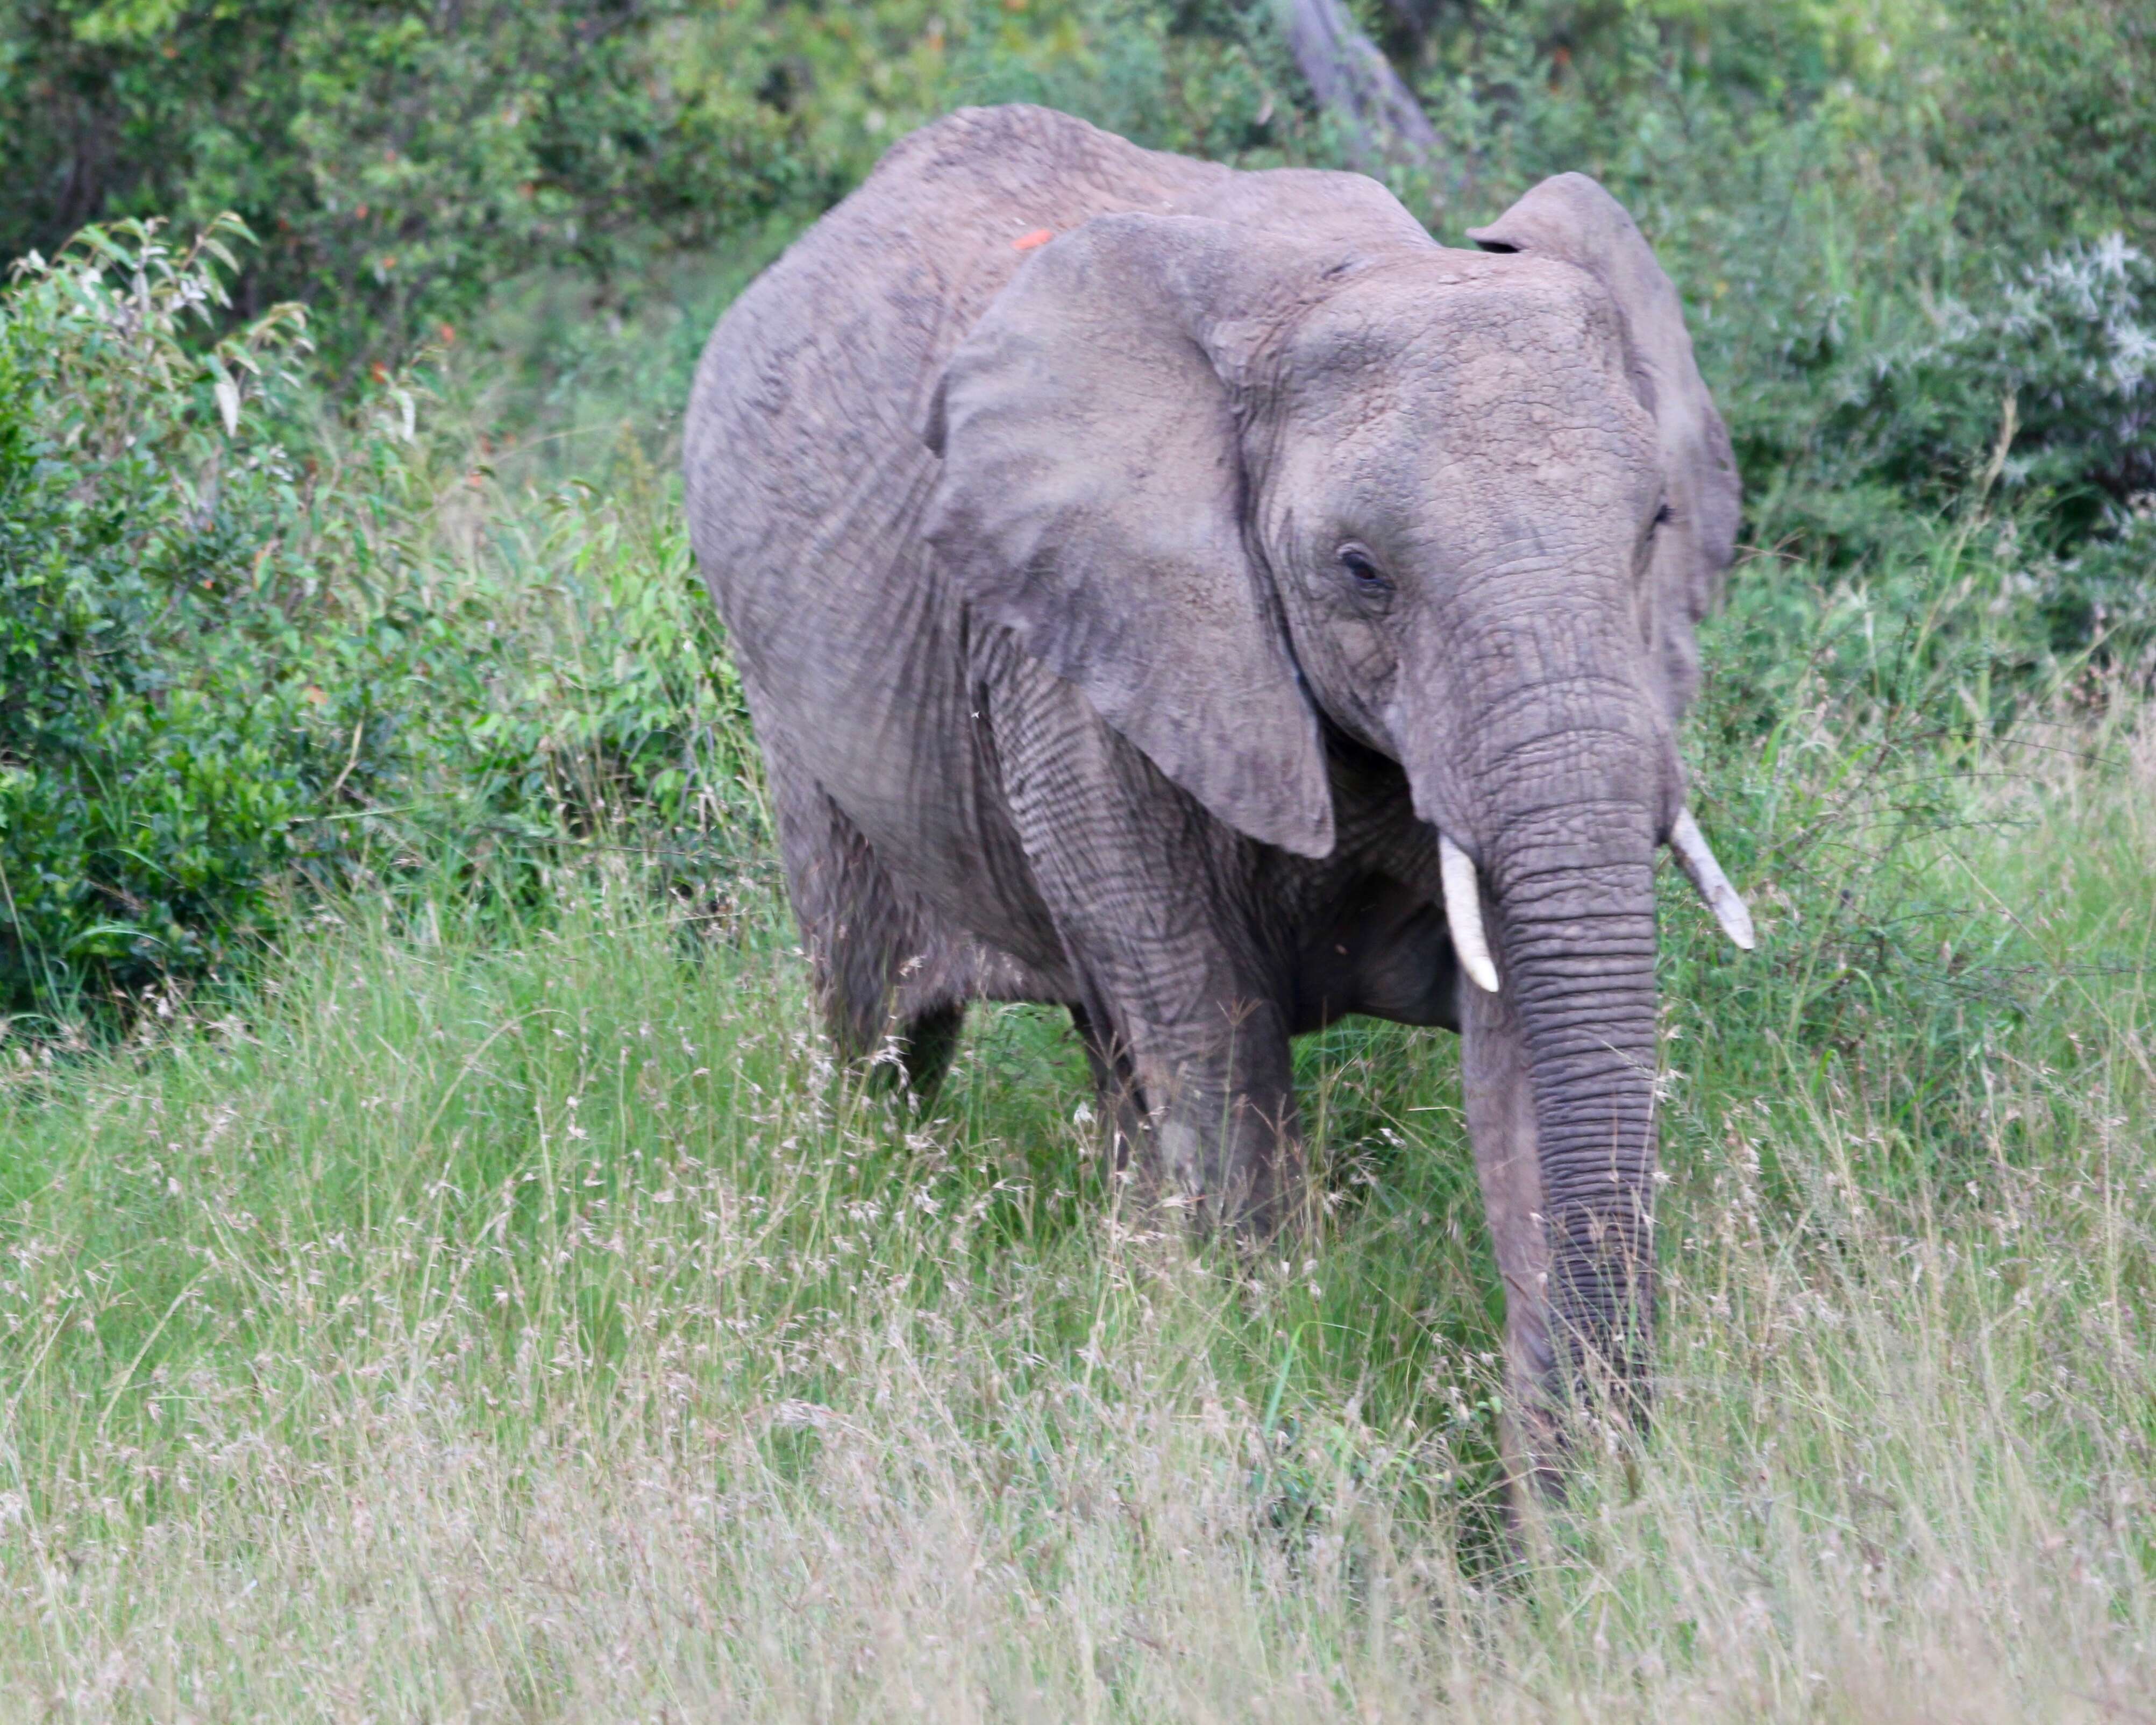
(1463,897)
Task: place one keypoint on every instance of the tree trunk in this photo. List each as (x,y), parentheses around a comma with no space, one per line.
(1355,84)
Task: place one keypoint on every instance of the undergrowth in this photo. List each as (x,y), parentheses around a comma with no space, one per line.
(511,1312)
(441,1275)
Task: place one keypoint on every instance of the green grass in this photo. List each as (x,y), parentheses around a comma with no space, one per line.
(507,1315)
(492,1307)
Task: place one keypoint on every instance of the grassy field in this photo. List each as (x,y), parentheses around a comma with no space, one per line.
(442,1276)
(507,1314)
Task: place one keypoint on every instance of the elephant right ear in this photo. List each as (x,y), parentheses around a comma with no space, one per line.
(1092,502)
(1572,219)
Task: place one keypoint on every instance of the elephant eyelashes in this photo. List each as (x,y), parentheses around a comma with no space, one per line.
(1365,574)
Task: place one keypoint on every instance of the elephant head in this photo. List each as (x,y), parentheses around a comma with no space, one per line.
(1241,486)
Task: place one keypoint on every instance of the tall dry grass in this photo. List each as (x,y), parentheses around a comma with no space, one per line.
(517,1322)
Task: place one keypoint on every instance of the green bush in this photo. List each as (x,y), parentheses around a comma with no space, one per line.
(397,158)
(400,159)
(567,683)
(240,651)
(161,719)
(2054,372)
(2031,394)
(2045,391)
(2044,116)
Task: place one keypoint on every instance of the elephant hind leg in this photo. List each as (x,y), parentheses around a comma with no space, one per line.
(884,979)
(927,1041)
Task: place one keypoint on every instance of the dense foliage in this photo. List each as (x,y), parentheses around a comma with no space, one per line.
(164,708)
(397,157)
(236,655)
(400,157)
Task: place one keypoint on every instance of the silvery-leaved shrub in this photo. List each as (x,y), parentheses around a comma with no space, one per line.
(2056,371)
(2040,398)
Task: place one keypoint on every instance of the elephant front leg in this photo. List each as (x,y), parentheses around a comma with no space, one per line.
(1501,1124)
(1159,911)
(1203,1124)
(1225,1136)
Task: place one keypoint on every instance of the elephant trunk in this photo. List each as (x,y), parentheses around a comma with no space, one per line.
(1567,781)
(1575,945)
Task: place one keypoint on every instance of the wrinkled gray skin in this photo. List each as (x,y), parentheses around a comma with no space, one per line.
(1031,552)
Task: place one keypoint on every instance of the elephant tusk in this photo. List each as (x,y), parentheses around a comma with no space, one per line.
(1463,911)
(1705,873)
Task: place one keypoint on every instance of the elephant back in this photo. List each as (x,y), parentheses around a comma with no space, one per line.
(802,460)
(803,451)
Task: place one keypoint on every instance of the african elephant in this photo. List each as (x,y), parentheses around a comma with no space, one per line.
(1198,599)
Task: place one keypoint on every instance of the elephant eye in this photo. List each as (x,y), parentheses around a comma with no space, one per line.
(1664,515)
(1363,570)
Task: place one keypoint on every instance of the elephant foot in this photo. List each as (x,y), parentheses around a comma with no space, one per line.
(1246,1174)
(1543,1432)
(1531,1445)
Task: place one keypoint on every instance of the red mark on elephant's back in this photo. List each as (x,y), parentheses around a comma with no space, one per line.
(1027,242)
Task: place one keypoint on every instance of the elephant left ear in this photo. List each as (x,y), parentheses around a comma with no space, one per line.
(1091,501)
(1572,219)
